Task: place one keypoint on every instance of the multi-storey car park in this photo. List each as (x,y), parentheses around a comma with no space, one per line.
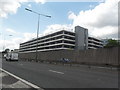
(94,43)
(63,39)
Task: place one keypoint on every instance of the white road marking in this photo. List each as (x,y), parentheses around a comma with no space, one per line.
(24,81)
(56,71)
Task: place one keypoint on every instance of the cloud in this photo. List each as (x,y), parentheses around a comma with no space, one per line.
(101,21)
(28,36)
(106,31)
(29,5)
(56,27)
(11,31)
(8,6)
(40,1)
(14,41)
(11,43)
(11,6)
(71,16)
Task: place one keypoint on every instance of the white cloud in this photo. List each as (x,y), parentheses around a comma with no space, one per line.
(57,27)
(29,5)
(14,42)
(8,6)
(105,32)
(71,16)
(11,31)
(40,1)
(28,36)
(11,6)
(1,45)
(100,21)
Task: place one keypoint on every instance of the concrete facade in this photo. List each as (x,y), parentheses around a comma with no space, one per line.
(81,38)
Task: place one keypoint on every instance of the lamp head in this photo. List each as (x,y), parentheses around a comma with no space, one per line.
(28,9)
(48,16)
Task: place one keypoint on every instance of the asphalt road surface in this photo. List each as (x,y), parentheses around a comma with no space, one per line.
(59,76)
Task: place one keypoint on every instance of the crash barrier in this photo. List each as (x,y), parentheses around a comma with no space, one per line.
(104,56)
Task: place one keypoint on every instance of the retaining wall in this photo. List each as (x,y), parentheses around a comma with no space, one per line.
(107,56)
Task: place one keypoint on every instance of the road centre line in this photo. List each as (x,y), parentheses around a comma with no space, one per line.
(24,81)
(56,72)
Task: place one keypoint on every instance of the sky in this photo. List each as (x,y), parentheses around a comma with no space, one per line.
(17,25)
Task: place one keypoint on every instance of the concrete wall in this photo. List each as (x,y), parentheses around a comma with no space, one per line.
(93,56)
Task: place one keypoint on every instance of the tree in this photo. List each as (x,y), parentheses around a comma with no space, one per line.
(111,43)
(6,50)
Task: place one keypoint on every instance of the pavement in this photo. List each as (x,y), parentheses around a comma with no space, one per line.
(59,76)
(10,82)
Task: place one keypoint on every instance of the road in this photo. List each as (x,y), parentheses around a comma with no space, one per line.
(59,76)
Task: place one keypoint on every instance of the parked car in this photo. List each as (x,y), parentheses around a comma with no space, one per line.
(12,56)
(4,56)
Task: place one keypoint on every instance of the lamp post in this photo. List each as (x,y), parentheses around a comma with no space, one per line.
(37,27)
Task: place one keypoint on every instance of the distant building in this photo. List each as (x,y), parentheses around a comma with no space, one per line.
(63,39)
(94,43)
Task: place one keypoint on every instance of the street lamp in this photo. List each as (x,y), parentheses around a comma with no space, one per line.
(38,25)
